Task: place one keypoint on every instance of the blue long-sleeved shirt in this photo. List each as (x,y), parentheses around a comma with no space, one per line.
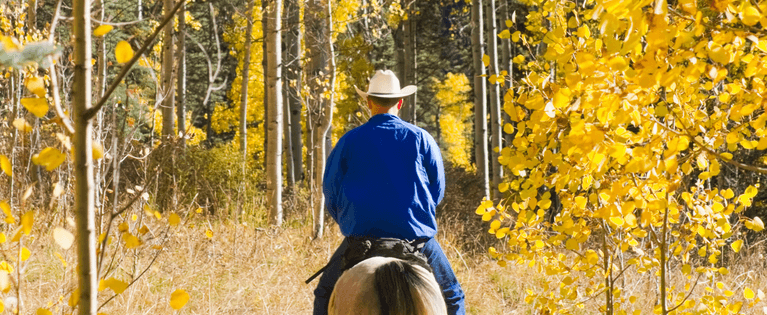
(385,179)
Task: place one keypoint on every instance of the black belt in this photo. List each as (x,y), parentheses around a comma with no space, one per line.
(361,248)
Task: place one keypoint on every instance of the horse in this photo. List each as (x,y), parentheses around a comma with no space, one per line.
(386,285)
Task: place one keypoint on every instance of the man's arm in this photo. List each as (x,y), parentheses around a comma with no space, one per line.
(331,180)
(435,168)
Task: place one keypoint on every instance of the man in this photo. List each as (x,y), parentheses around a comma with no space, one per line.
(384,179)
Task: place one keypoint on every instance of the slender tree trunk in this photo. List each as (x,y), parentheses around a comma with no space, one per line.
(495,101)
(31,14)
(321,71)
(181,92)
(274,124)
(244,85)
(83,159)
(408,74)
(265,66)
(168,113)
(292,83)
(287,142)
(480,101)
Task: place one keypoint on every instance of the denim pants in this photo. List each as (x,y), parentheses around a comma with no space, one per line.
(451,289)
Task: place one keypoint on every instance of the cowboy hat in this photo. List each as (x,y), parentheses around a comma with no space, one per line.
(385,84)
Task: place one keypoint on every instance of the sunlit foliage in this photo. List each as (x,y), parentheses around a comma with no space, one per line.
(455,119)
(646,104)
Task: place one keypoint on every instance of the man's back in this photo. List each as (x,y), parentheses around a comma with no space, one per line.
(385,179)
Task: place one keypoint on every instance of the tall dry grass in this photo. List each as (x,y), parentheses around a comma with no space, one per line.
(244,269)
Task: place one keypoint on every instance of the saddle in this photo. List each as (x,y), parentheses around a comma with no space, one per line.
(361,248)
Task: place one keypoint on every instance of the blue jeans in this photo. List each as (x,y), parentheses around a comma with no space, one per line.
(451,289)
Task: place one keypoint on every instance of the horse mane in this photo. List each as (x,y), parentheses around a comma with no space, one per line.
(387,286)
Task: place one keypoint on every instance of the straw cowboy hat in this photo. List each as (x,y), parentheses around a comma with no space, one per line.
(386,85)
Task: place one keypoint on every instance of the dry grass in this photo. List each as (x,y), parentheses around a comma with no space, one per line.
(247,270)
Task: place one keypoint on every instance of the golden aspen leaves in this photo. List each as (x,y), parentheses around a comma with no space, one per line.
(22,125)
(27,220)
(178,299)
(486,60)
(174,219)
(736,245)
(97,150)
(123,52)
(209,233)
(102,30)
(750,15)
(37,106)
(36,85)
(131,241)
(42,311)
(5,165)
(116,285)
(50,158)
(756,224)
(63,238)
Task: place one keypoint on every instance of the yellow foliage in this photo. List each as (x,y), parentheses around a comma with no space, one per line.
(628,132)
(455,118)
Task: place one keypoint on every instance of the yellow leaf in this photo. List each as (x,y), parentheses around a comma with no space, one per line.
(757,224)
(617,221)
(495,225)
(580,201)
(178,299)
(724,271)
(74,298)
(131,241)
(98,150)
(504,34)
(736,245)
(123,52)
(515,36)
(750,16)
(36,85)
(102,30)
(26,222)
(5,266)
(42,311)
(748,293)
(36,106)
(116,285)
(25,253)
(63,238)
(49,157)
(209,233)
(5,164)
(486,60)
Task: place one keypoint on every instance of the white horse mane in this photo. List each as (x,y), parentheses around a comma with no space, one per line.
(356,293)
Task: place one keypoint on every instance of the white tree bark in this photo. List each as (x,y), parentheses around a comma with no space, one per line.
(480,99)
(83,159)
(321,71)
(495,100)
(168,104)
(274,122)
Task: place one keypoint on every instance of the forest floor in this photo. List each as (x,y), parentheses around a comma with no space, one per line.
(239,269)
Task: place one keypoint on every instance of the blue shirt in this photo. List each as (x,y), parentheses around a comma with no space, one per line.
(385,179)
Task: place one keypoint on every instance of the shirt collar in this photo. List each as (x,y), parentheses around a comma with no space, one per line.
(380,118)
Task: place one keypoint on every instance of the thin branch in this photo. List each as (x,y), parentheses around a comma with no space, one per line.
(91,112)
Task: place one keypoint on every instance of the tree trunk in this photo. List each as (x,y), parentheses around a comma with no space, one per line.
(495,101)
(293,84)
(321,71)
(181,92)
(480,101)
(83,159)
(168,113)
(408,75)
(265,66)
(244,85)
(274,124)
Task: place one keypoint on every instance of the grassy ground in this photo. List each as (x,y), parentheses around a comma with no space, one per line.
(241,269)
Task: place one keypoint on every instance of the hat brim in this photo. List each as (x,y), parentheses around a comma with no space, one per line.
(406,91)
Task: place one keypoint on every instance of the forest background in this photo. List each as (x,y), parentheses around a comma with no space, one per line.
(615,149)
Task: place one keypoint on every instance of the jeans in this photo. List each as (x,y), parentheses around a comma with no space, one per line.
(451,289)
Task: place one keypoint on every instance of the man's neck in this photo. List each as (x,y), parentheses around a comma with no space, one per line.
(383,110)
